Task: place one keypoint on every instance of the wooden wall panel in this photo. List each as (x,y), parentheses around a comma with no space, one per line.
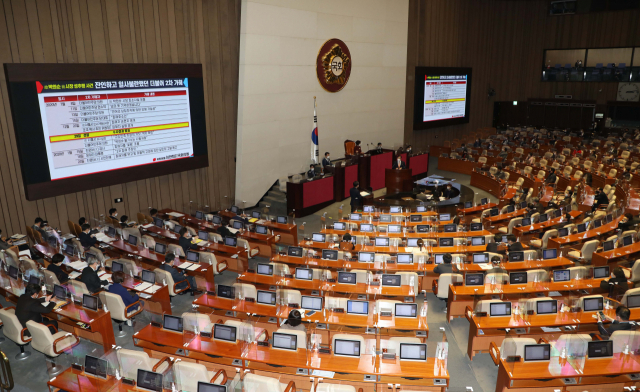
(503,41)
(125,31)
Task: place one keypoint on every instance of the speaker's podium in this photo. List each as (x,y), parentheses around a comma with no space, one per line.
(397,181)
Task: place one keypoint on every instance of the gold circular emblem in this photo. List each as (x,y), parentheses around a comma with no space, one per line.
(333,65)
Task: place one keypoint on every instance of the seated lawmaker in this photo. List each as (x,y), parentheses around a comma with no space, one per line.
(113,214)
(379,148)
(493,246)
(54,266)
(448,192)
(119,289)
(86,238)
(620,323)
(185,242)
(90,276)
(312,172)
(513,245)
(326,161)
(30,308)
(179,276)
(627,222)
(616,285)
(294,322)
(224,231)
(398,164)
(551,178)
(346,244)
(446,267)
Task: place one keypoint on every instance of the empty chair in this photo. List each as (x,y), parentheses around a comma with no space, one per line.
(245,290)
(537,275)
(622,163)
(577,175)
(542,244)
(624,340)
(629,292)
(586,252)
(570,340)
(188,374)
(148,241)
(78,288)
(13,331)
(51,345)
(132,360)
(587,165)
(362,276)
(50,279)
(291,296)
(512,223)
(543,163)
(527,170)
(509,347)
(581,299)
(541,174)
(210,258)
(555,165)
(579,272)
(176,250)
(567,171)
(519,183)
(254,382)
(300,335)
(443,282)
(482,160)
(245,244)
(496,278)
(612,173)
(215,237)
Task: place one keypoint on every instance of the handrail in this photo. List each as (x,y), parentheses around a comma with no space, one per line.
(6,376)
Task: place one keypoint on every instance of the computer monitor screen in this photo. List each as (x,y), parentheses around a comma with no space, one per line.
(294,251)
(547,307)
(193,257)
(160,248)
(608,245)
(468,204)
(355,217)
(226,291)
(347,277)
(111,231)
(537,352)
(412,242)
(518,278)
(285,341)
(394,228)
(207,387)
(203,235)
(445,241)
(225,332)
(59,292)
(158,222)
(406,310)
(312,303)
(438,258)
(563,275)
(149,276)
(422,228)
(264,269)
(385,218)
(563,232)
(266,297)
(234,209)
(628,240)
(597,223)
(484,201)
(149,380)
(216,220)
(255,214)
(395,209)
(516,256)
(500,309)
(339,226)
(633,301)
(304,273)
(357,307)
(601,272)
(526,222)
(582,227)
(231,241)
(474,279)
(405,258)
(475,227)
(69,249)
(505,239)
(366,257)
(391,280)
(421,209)
(367,208)
(133,240)
(415,218)
(548,254)
(366,228)
(318,237)
(90,302)
(199,215)
(33,279)
(450,228)
(238,225)
(510,209)
(445,217)
(476,241)
(479,258)
(413,351)
(176,228)
(523,205)
(494,212)
(95,366)
(543,218)
(53,242)
(382,241)
(557,213)
(600,349)
(282,220)
(262,230)
(592,304)
(13,272)
(347,347)
(329,254)
(609,218)
(172,323)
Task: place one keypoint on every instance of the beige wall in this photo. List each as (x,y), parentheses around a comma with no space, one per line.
(279,42)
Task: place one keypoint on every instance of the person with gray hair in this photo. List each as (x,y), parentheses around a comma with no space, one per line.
(90,276)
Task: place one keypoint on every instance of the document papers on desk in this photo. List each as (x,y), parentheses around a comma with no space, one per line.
(25,252)
(232,230)
(148,226)
(152,289)
(103,237)
(485,266)
(68,236)
(74,274)
(175,214)
(364,194)
(78,265)
(189,266)
(555,294)
(143,286)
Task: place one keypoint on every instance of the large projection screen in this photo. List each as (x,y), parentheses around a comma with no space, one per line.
(84,126)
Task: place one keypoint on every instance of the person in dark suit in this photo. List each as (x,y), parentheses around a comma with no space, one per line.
(356,197)
(357,150)
(326,161)
(493,246)
(117,288)
(346,243)
(628,222)
(513,246)
(617,285)
(86,238)
(224,231)
(30,308)
(177,276)
(312,171)
(90,276)
(398,164)
(38,226)
(446,267)
(600,198)
(379,148)
(551,178)
(113,213)
(448,192)
(185,242)
(54,266)
(620,323)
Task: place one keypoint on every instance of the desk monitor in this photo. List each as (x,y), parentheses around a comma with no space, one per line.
(609,218)
(355,217)
(367,208)
(216,220)
(543,218)
(69,249)
(391,280)
(358,307)
(158,222)
(318,237)
(475,279)
(422,228)
(382,241)
(600,349)
(563,232)
(304,273)
(282,220)
(231,241)
(601,272)
(608,245)
(597,223)
(33,279)
(226,291)
(264,269)
(523,205)
(450,228)
(199,215)
(475,227)
(406,310)
(339,226)
(347,277)
(266,297)
(421,209)
(445,241)
(235,209)
(366,227)
(285,341)
(193,257)
(518,278)
(90,302)
(255,214)
(149,381)
(413,351)
(148,276)
(549,254)
(557,213)
(349,348)
(516,256)
(500,309)
(412,242)
(111,231)
(593,304)
(53,242)
(394,228)
(582,227)
(294,251)
(477,241)
(484,201)
(510,208)
(438,258)
(203,235)
(262,230)
(95,366)
(366,257)
(208,387)
(311,303)
(444,217)
(537,352)
(176,229)
(172,323)
(468,204)
(329,254)
(133,240)
(226,333)
(526,222)
(494,212)
(60,292)
(633,301)
(238,225)
(627,240)
(160,248)
(405,258)
(13,272)
(563,275)
(395,209)
(385,218)
(415,218)
(480,258)
(547,307)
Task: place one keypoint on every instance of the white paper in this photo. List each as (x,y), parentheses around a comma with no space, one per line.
(68,236)
(153,289)
(143,286)
(17,236)
(193,267)
(550,329)
(485,266)
(106,277)
(25,252)
(364,194)
(148,226)
(103,237)
(232,230)
(74,275)
(184,265)
(78,265)
(175,214)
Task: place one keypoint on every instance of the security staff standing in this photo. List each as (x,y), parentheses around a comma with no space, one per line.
(356,197)
(326,161)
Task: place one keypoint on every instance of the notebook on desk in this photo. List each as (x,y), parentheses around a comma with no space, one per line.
(143,286)
(152,289)
(232,230)
(253,220)
(175,214)
(67,236)
(74,274)
(103,237)
(185,265)
(78,265)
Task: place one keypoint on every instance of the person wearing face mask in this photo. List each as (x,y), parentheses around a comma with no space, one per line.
(185,242)
(326,161)
(379,148)
(312,172)
(113,214)
(408,150)
(448,192)
(398,164)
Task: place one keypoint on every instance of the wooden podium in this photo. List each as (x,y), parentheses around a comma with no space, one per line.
(397,181)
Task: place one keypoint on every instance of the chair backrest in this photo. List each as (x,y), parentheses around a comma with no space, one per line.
(578,272)
(50,279)
(613,172)
(176,249)
(11,326)
(201,320)
(245,290)
(41,338)
(78,288)
(188,374)
(541,174)
(512,223)
(114,304)
(537,275)
(255,382)
(496,278)
(622,339)
(127,231)
(349,147)
(149,241)
(132,360)
(514,346)
(567,171)
(588,248)
(444,280)
(635,291)
(291,296)
(581,300)
(548,234)
(567,340)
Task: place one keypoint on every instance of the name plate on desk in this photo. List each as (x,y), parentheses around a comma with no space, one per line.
(295,306)
(249,299)
(481,314)
(390,261)
(251,271)
(77,366)
(512,358)
(273,320)
(212,293)
(302,371)
(128,381)
(237,362)
(457,284)
(273,288)
(288,276)
(439,381)
(370,330)
(370,377)
(205,334)
(421,334)
(156,324)
(521,331)
(569,381)
(386,314)
(331,280)
(315,292)
(230,313)
(362,296)
(375,283)
(338,310)
(321,326)
(391,356)
(264,343)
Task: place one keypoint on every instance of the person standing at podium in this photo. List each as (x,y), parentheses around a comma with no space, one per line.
(326,161)
(356,197)
(398,164)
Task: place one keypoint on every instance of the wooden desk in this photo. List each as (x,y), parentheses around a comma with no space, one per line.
(530,229)
(457,165)
(307,197)
(487,184)
(603,258)
(572,239)
(503,218)
(398,249)
(411,234)
(477,209)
